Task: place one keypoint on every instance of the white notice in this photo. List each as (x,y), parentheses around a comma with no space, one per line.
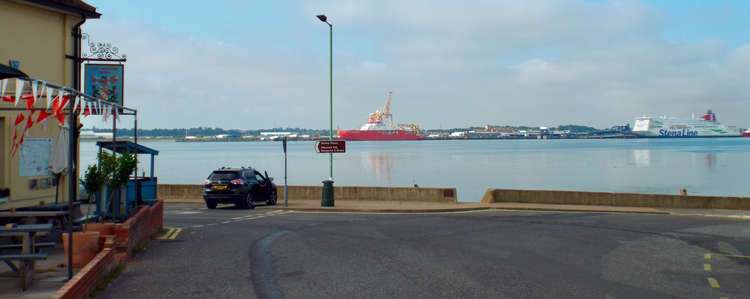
(34,157)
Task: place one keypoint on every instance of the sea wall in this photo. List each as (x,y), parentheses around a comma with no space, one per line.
(616,199)
(177,192)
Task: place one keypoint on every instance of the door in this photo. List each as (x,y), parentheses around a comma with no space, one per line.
(261,191)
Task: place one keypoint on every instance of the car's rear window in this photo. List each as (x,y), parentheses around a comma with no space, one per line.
(223,175)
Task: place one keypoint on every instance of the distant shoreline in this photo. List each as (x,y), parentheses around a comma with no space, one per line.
(211,139)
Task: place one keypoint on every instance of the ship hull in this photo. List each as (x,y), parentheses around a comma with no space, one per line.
(367,135)
(675,128)
(746,133)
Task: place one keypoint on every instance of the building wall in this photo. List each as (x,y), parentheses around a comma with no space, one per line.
(39,39)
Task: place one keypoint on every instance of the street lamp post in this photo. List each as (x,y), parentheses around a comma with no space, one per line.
(328,184)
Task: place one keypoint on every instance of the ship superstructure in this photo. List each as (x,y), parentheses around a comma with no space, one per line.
(379,126)
(704,126)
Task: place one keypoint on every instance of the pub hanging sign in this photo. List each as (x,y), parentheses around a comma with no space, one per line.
(105,82)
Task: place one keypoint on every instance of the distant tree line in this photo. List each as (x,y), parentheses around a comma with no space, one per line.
(209,131)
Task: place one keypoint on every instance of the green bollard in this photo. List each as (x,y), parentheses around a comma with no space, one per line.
(327,200)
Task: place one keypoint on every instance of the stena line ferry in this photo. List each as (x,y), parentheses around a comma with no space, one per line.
(704,126)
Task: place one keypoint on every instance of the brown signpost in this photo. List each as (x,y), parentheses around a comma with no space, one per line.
(330,146)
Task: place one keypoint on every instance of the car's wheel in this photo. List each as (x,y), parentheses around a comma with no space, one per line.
(247,203)
(210,205)
(272,199)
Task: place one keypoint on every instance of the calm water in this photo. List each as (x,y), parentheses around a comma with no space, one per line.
(712,166)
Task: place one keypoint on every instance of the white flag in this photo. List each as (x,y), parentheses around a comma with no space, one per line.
(19,90)
(34,86)
(3,84)
(49,96)
(59,99)
(75,104)
(106,112)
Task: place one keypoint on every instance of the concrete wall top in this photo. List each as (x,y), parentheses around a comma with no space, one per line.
(616,199)
(191,191)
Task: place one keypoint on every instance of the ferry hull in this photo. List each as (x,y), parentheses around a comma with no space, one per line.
(365,135)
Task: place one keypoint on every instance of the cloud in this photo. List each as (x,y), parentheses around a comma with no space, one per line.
(449,64)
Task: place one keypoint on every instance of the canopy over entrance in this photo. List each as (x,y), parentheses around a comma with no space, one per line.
(9,72)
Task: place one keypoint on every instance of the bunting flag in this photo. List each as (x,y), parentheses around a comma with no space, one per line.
(29,121)
(56,102)
(61,118)
(34,88)
(105,114)
(75,104)
(14,146)
(114,113)
(19,90)
(49,96)
(19,119)
(3,84)
(65,100)
(43,115)
(87,110)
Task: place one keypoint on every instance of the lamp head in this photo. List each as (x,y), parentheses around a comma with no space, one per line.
(322,18)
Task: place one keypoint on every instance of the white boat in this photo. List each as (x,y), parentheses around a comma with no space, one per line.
(704,126)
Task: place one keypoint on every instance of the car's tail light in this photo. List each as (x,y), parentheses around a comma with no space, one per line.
(207,182)
(236,182)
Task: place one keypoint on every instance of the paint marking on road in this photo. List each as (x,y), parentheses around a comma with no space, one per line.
(736,256)
(712,281)
(236,218)
(707,256)
(225,222)
(397,213)
(176,232)
(198,226)
(169,232)
(188,212)
(707,267)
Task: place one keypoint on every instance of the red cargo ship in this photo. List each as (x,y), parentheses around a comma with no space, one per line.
(746,133)
(380,126)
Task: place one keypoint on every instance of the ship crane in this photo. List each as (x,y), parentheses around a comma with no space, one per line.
(387,109)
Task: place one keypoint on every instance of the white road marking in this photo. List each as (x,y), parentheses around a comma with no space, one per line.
(188,212)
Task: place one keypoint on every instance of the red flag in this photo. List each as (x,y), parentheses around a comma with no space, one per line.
(19,119)
(55,105)
(64,101)
(87,111)
(20,142)
(29,103)
(29,121)
(8,99)
(42,116)
(61,118)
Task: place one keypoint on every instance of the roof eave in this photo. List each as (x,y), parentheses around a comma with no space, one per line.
(88,14)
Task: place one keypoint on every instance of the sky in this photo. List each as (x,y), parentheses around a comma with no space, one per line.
(265,64)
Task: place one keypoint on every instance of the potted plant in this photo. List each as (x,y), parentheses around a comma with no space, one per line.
(92,181)
(116,171)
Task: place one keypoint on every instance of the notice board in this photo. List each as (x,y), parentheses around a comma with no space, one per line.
(34,157)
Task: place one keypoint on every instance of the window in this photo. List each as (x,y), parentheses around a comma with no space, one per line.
(259,178)
(223,175)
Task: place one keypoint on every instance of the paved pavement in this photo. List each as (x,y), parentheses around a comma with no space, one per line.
(272,252)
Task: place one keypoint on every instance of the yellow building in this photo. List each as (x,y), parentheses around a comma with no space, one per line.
(37,37)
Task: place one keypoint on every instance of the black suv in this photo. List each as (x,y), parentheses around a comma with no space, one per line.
(240,186)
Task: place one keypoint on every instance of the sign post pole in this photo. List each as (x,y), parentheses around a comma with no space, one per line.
(286,194)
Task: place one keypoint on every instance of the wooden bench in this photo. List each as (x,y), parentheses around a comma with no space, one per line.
(29,254)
